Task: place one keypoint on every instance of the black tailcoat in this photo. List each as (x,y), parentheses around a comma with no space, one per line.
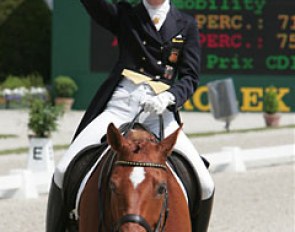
(144,49)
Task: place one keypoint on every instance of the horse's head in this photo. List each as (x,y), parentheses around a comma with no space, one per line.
(138,183)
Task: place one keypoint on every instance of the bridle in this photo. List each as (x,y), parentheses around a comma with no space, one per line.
(133,218)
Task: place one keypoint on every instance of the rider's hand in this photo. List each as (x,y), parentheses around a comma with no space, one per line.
(159,103)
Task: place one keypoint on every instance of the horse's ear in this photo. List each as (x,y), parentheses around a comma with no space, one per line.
(168,143)
(114,137)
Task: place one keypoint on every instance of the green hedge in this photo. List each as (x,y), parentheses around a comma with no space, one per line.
(25,38)
(13,82)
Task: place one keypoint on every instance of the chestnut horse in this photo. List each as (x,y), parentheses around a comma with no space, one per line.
(134,190)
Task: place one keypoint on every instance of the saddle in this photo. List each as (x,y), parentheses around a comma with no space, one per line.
(85,159)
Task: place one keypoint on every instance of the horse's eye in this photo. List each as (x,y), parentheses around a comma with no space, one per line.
(162,189)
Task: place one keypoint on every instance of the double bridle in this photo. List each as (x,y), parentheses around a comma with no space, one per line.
(133,218)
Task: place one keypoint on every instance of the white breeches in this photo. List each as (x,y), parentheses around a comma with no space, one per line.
(124,105)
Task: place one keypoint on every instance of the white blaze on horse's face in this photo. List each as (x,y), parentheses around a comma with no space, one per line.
(137,176)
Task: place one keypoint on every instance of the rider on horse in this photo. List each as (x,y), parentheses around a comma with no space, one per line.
(158,68)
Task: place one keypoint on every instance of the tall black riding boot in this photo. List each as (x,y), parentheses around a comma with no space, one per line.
(55,219)
(200,222)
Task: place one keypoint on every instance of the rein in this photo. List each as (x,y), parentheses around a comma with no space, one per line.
(135,119)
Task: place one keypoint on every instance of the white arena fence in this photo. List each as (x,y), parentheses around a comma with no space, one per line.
(29,183)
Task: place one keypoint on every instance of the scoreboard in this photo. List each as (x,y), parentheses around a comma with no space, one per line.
(248,36)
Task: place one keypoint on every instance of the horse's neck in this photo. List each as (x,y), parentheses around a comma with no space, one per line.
(179,216)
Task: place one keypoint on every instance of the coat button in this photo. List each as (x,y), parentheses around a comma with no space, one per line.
(144,42)
(157,77)
(143,58)
(159,62)
(141,70)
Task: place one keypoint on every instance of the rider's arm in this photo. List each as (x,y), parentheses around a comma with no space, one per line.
(103,13)
(188,69)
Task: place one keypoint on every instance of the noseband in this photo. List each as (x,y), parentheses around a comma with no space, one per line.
(133,218)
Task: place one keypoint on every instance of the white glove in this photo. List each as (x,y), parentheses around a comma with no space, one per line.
(159,103)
